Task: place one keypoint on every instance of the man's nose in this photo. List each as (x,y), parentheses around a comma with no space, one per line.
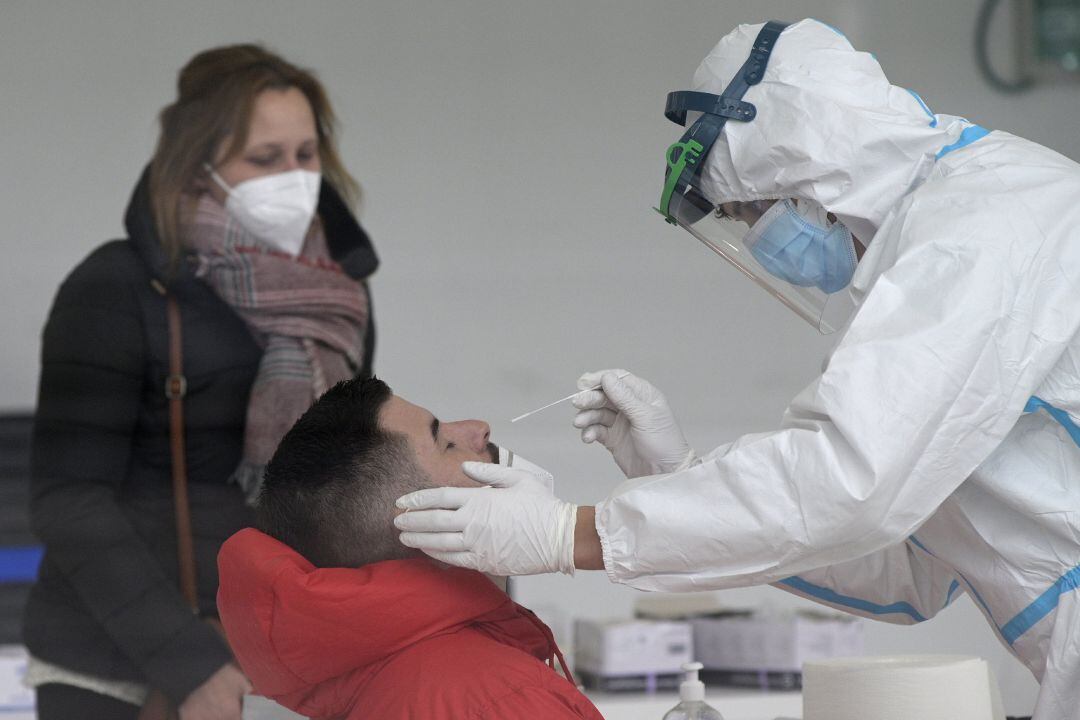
(473,434)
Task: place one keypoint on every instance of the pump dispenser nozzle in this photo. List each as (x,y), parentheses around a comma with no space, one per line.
(691,688)
(692,705)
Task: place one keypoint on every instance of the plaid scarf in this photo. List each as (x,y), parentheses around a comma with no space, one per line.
(305,312)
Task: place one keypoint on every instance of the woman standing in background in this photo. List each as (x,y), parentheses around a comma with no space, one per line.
(243,217)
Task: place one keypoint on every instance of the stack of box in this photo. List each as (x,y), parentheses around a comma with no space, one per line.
(631,655)
(14,696)
(738,648)
(769,652)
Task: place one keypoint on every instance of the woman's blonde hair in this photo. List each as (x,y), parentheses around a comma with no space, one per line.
(216,94)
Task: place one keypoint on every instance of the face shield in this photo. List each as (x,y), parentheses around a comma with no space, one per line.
(804,262)
(790,249)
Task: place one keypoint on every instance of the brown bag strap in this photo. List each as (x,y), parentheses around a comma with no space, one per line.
(175,390)
(157,706)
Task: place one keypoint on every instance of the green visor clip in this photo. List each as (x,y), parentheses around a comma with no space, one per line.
(684,157)
(679,156)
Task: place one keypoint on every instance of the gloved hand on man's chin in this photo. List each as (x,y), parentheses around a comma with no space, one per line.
(514,526)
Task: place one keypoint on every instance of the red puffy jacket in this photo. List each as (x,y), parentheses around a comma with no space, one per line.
(396,639)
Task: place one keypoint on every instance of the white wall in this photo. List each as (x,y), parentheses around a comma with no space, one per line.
(510,153)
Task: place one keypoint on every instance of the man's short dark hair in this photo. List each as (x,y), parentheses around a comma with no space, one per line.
(330,488)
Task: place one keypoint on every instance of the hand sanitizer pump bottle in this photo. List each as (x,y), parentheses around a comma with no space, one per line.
(692,705)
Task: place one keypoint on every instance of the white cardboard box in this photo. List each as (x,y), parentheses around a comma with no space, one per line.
(775,644)
(632,647)
(14,696)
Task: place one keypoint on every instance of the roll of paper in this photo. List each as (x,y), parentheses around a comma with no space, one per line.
(901,687)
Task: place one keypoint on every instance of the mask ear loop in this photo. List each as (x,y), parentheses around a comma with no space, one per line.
(217,178)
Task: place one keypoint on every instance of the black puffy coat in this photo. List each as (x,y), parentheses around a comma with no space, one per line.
(107,601)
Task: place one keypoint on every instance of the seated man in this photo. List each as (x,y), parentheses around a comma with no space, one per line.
(331,616)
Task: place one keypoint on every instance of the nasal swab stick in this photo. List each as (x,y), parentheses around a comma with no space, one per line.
(571,396)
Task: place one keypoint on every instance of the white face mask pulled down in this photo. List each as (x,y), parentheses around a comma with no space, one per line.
(277,209)
(507,458)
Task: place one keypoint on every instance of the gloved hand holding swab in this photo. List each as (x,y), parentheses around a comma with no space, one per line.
(571,396)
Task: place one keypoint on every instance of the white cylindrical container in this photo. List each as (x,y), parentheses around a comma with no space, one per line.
(901,687)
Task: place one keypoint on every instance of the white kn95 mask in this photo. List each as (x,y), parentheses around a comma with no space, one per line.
(507,458)
(276,209)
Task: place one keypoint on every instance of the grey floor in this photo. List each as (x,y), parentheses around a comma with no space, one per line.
(255,708)
(259,708)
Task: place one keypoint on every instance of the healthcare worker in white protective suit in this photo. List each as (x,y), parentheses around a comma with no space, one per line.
(938,452)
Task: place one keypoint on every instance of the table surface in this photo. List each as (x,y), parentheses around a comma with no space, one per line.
(733,704)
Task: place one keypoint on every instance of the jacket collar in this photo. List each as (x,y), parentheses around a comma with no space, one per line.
(300,631)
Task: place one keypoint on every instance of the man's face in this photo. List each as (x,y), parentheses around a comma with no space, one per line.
(440,447)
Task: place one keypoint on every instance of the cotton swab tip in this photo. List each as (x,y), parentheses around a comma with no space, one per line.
(571,396)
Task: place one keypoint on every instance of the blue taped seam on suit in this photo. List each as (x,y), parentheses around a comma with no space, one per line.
(968,136)
(933,118)
(1043,606)
(952,590)
(20,564)
(953,587)
(915,541)
(822,593)
(1048,601)
(971,588)
(1033,613)
(1036,403)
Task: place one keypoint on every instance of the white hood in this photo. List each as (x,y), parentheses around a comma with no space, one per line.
(829,128)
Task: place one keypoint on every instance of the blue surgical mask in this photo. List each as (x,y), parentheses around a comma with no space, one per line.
(796,243)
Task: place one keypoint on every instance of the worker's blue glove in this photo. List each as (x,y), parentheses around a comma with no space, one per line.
(631,418)
(515,526)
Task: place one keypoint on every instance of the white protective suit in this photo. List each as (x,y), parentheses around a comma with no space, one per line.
(938,452)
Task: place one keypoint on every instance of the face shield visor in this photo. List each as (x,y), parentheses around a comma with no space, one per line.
(788,248)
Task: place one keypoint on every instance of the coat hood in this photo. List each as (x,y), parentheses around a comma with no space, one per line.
(829,128)
(349,245)
(307,636)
